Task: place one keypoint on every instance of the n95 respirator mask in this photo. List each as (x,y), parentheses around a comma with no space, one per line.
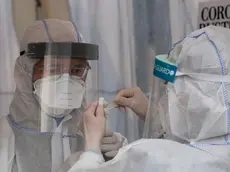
(60,94)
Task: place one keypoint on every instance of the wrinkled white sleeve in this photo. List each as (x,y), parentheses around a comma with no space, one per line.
(88,159)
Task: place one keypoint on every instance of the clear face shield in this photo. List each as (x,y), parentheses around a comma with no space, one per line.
(164,71)
(60,74)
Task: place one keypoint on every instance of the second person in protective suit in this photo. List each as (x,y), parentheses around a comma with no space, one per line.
(194,108)
(188,108)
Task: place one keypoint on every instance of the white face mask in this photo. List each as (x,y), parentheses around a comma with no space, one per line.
(60,94)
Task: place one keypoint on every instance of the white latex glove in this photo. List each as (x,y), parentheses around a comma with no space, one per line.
(134,99)
(94,126)
(111,143)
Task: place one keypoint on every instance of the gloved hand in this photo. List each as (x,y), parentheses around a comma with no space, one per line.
(80,123)
(134,99)
(94,125)
(110,145)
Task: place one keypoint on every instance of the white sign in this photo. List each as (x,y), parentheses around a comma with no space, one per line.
(214,13)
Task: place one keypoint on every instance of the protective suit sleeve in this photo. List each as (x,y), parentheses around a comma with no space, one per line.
(87,159)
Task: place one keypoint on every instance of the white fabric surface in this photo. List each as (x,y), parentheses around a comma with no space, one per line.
(148,155)
(88,159)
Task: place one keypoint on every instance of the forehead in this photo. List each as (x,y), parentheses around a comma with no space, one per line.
(59,61)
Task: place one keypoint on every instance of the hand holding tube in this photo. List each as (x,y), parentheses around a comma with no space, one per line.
(94,125)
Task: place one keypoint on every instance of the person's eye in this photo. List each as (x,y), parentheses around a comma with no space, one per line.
(40,70)
(77,70)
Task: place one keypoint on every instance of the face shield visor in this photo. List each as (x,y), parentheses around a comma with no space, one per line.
(190,92)
(60,75)
(158,101)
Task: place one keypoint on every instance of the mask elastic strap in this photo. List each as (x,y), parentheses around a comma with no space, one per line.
(47,30)
(79,37)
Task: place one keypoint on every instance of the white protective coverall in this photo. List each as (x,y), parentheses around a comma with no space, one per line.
(194,113)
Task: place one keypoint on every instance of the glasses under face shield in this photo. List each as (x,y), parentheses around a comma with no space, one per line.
(58,66)
(61,58)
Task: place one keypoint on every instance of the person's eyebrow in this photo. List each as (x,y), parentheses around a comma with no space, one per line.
(79,65)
